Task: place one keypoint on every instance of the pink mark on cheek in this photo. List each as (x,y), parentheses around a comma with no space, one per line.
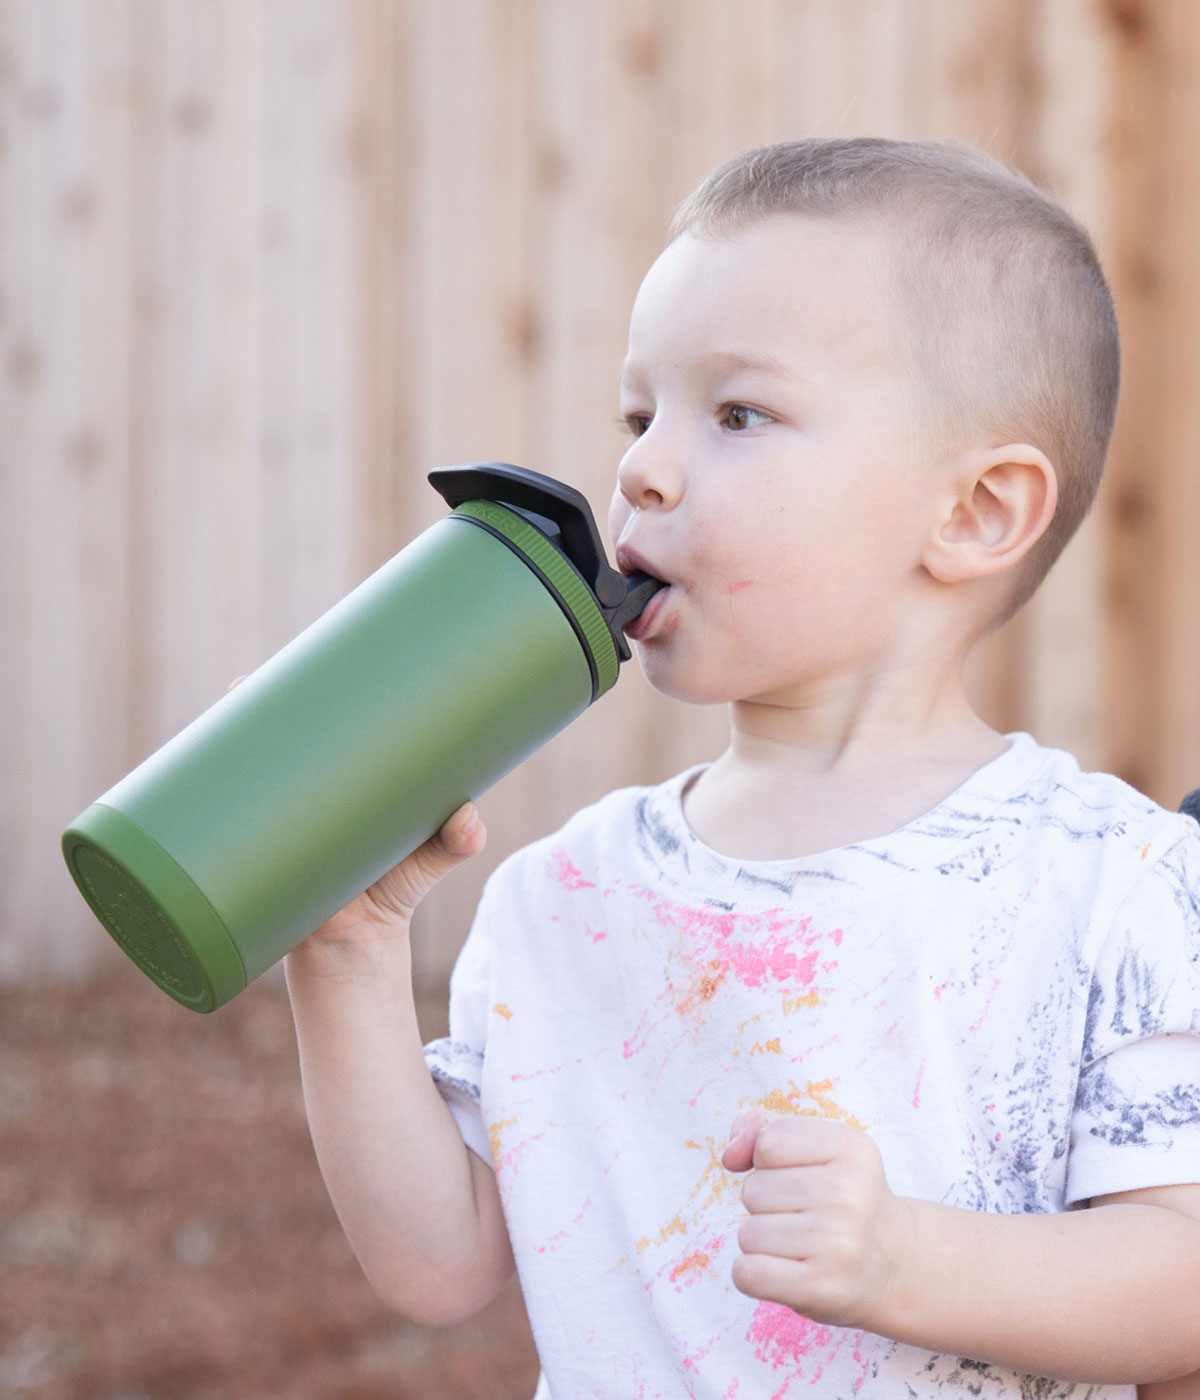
(739,583)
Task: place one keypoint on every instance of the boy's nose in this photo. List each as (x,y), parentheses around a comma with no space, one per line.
(651,476)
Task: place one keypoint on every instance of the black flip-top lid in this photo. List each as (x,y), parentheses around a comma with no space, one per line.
(563,515)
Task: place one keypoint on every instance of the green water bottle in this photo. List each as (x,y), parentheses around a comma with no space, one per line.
(299,788)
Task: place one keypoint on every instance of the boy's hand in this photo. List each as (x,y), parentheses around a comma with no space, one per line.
(387,907)
(824,1234)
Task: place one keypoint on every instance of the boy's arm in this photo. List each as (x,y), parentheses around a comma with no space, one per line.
(1184,1388)
(1106,1295)
(421,1211)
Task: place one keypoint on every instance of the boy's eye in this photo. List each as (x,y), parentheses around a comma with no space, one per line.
(635,423)
(740,416)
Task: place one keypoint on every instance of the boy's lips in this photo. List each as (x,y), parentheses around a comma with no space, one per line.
(629,561)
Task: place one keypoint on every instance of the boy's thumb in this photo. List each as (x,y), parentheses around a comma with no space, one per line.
(406,884)
(739,1152)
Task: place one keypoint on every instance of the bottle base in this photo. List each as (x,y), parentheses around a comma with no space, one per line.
(153,909)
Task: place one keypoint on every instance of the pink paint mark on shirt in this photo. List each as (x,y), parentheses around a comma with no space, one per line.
(691,1362)
(696,1097)
(784,1339)
(864,1365)
(916,1098)
(595,936)
(564,873)
(987,1005)
(561,1236)
(753,948)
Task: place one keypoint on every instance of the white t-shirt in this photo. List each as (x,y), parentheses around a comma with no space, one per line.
(1005,993)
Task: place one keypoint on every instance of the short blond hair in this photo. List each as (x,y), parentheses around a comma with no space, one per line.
(1002,303)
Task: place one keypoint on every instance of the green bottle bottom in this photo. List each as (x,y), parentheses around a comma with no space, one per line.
(153,909)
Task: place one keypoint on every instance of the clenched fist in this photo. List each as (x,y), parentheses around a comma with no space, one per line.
(823,1234)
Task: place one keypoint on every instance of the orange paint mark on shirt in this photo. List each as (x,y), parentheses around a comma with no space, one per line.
(714,1178)
(496,1136)
(810,998)
(501,1010)
(701,991)
(696,1264)
(672,1227)
(771,1047)
(791,1100)
(825,1106)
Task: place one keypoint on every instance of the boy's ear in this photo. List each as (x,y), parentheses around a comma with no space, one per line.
(999,505)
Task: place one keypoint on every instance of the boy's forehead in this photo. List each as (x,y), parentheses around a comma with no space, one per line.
(766,296)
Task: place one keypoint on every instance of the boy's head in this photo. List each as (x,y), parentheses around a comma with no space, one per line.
(1006,314)
(975,316)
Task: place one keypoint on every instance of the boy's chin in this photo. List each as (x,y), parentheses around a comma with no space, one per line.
(679,682)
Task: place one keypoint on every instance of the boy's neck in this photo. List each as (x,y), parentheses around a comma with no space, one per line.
(797,780)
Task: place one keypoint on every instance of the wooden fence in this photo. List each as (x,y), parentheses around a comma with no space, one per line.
(265,262)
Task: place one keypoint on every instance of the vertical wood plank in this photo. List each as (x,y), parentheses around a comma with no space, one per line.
(208,618)
(312,468)
(1062,659)
(1175,762)
(1133,510)
(68,297)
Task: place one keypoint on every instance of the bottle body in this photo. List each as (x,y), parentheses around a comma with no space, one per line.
(331,762)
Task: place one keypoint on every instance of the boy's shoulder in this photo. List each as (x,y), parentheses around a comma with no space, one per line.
(1094,837)
(1083,802)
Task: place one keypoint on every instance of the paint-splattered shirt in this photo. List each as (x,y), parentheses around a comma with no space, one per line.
(1004,993)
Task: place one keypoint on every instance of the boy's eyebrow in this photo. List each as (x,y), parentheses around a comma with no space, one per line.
(729,360)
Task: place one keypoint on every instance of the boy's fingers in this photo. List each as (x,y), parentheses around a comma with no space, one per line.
(804,1141)
(787,1190)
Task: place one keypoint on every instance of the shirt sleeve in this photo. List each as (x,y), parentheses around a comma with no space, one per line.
(1136,1120)
(456,1060)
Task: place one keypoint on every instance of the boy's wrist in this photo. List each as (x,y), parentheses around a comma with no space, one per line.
(360,951)
(897,1307)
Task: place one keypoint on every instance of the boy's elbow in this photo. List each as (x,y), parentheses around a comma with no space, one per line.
(438,1297)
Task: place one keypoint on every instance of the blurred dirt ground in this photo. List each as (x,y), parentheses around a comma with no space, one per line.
(164,1231)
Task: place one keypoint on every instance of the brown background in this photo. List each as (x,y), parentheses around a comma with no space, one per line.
(265,262)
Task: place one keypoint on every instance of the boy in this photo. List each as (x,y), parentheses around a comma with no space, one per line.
(943,983)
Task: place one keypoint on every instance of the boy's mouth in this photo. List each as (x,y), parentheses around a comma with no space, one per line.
(645,621)
(629,561)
